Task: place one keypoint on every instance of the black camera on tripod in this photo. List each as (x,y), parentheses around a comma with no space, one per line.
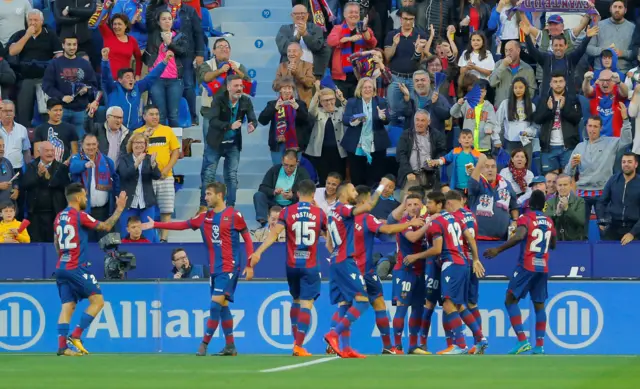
(116,263)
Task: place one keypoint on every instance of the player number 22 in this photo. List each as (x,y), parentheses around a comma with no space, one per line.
(65,237)
(305,233)
(538,237)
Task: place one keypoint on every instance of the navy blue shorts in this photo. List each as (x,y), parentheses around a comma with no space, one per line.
(408,288)
(374,287)
(432,282)
(304,284)
(454,281)
(346,281)
(224,284)
(526,282)
(474,288)
(76,285)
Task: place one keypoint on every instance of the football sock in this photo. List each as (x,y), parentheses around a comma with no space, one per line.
(415,319)
(85,322)
(470,321)
(476,314)
(398,323)
(353,314)
(227,324)
(448,333)
(382,321)
(338,314)
(63,331)
(516,321)
(426,325)
(456,325)
(294,313)
(212,323)
(304,319)
(541,327)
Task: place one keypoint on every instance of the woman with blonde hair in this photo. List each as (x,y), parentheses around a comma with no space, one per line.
(366,139)
(137,170)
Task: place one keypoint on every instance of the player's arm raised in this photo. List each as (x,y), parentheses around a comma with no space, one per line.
(390,229)
(373,200)
(518,236)
(182,225)
(434,250)
(107,225)
(477,171)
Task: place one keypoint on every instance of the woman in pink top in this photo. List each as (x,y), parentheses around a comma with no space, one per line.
(167,91)
(122,47)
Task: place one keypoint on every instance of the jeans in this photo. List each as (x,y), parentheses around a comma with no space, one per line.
(76,119)
(142,214)
(557,158)
(262,204)
(189,83)
(166,94)
(210,160)
(395,98)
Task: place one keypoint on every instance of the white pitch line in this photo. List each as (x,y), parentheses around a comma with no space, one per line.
(299,365)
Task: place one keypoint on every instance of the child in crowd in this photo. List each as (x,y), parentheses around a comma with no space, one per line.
(9,226)
(463,158)
(134,228)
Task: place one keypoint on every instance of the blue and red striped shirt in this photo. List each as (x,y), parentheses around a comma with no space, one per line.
(534,250)
(465,217)
(406,248)
(341,225)
(70,230)
(366,228)
(304,224)
(446,226)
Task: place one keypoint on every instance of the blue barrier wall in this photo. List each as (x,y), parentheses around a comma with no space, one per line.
(584,317)
(581,259)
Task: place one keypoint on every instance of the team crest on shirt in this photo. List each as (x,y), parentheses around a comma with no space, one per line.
(485,200)
(134,93)
(503,194)
(215,234)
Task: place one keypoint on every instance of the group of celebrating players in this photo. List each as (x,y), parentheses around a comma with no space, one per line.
(438,263)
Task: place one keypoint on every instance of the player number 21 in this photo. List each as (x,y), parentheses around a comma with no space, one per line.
(65,237)
(305,233)
(538,237)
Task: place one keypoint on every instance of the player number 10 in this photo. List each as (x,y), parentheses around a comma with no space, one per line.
(406,286)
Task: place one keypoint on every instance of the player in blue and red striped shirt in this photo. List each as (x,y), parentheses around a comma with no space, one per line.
(73,279)
(304,223)
(221,227)
(347,285)
(536,234)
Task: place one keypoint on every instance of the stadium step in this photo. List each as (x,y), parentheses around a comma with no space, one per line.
(247,164)
(246,180)
(254,4)
(260,13)
(240,29)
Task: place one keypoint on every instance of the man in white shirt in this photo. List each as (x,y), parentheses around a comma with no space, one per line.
(327,197)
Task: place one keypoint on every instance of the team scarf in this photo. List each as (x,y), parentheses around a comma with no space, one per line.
(363,62)
(286,127)
(317,6)
(101,15)
(567,6)
(518,176)
(349,48)
(101,172)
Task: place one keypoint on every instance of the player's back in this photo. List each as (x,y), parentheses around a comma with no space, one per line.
(534,250)
(467,219)
(447,226)
(304,224)
(366,227)
(221,233)
(406,247)
(70,229)
(341,226)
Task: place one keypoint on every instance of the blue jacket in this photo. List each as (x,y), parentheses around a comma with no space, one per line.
(77,167)
(129,8)
(620,203)
(452,158)
(129,100)
(351,136)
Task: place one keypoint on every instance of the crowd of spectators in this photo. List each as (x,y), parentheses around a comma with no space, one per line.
(430,94)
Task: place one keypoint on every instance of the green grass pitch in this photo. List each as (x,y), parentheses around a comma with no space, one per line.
(155,371)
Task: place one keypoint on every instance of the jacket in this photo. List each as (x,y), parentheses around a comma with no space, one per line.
(100,131)
(620,203)
(570,116)
(488,122)
(333,40)
(129,175)
(6,173)
(314,40)
(319,118)
(452,158)
(439,13)
(619,34)
(179,45)
(130,8)
(202,70)
(190,25)
(351,136)
(501,78)
(570,223)
(77,20)
(302,76)
(7,78)
(439,111)
(129,100)
(35,186)
(220,121)
(405,146)
(270,179)
(22,237)
(267,116)
(463,32)
(77,167)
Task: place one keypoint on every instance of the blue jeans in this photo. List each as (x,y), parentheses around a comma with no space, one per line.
(166,94)
(189,83)
(395,98)
(76,119)
(557,158)
(142,214)
(210,160)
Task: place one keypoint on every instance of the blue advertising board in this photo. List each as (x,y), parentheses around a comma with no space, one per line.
(584,317)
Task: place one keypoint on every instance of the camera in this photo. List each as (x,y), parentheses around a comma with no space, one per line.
(116,263)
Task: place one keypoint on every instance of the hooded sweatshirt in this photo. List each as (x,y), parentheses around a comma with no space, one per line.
(614,66)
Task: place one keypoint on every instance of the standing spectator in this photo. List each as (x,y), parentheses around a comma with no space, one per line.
(473,16)
(163,142)
(168,48)
(7,78)
(261,234)
(515,118)
(44,182)
(616,32)
(551,178)
(370,63)
(121,45)
(288,121)
(593,161)
(567,211)
(182,267)
(97,173)
(463,159)
(224,138)
(112,135)
(126,93)
(61,135)
(72,80)
(9,225)
(505,23)
(507,70)
(185,21)
(517,175)
(15,135)
(324,149)
(620,203)
(327,197)
(72,20)
(279,186)
(477,58)
(492,200)
(366,139)
(34,47)
(634,111)
(309,36)
(605,99)
(298,69)
(6,174)
(347,39)
(558,117)
(423,97)
(136,12)
(137,170)
(134,231)
(12,16)
(440,14)
(416,147)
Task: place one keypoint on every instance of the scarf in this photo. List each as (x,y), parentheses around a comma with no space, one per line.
(487,201)
(348,49)
(317,6)
(518,176)
(286,127)
(365,145)
(363,62)
(101,171)
(175,13)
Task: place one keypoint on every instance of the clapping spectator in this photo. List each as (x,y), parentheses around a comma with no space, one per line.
(72,20)
(567,211)
(288,121)
(477,58)
(518,175)
(134,231)
(6,175)
(423,97)
(9,225)
(297,69)
(121,45)
(137,170)
(261,234)
(61,135)
(183,268)
(112,135)
(485,128)
(515,119)
(327,197)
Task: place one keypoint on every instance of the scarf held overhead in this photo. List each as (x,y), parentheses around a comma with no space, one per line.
(348,49)
(101,172)
(569,6)
(286,127)
(363,62)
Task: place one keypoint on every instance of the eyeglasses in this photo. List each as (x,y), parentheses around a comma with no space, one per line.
(299,13)
(328,100)
(290,166)
(227,47)
(140,143)
(116,117)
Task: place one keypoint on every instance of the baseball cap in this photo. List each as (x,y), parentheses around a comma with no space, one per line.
(538,180)
(557,19)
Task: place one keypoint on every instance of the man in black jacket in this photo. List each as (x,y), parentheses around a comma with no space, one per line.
(279,186)
(111,131)
(559,115)
(416,147)
(44,181)
(224,139)
(72,19)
